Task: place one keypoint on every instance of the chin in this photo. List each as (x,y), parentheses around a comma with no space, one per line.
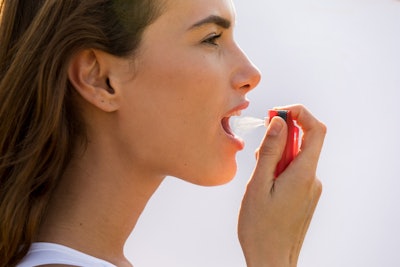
(218,176)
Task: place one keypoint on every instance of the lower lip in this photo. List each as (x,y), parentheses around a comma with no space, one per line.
(235,139)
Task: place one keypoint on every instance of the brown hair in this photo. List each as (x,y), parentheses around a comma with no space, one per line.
(39,124)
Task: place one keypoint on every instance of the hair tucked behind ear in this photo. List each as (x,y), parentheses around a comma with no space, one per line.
(39,124)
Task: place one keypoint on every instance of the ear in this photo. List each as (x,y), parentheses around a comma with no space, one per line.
(88,72)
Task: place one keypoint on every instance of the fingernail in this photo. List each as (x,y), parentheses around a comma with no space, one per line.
(275,127)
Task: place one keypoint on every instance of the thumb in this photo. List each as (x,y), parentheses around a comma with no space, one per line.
(270,151)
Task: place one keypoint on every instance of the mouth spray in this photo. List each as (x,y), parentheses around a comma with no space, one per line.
(247,124)
(292,141)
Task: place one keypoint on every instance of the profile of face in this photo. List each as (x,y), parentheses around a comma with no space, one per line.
(176,94)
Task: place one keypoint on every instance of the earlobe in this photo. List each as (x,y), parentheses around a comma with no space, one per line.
(88,73)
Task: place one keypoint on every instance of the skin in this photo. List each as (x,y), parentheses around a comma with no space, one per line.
(276,213)
(163,117)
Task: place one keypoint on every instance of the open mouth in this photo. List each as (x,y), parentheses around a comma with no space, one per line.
(226,126)
(225,122)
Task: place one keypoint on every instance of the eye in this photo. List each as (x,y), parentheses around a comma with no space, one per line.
(212,39)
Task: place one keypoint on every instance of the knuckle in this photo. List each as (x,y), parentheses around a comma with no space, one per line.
(301,109)
(318,128)
(323,128)
(309,180)
(300,106)
(318,186)
(257,153)
(308,176)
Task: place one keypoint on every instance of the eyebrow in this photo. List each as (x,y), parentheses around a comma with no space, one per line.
(213,19)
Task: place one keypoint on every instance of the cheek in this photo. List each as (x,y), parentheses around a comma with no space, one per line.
(185,95)
(172,112)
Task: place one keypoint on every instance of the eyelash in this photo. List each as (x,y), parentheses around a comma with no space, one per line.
(211,40)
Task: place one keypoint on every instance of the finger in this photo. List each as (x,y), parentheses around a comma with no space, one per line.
(270,152)
(302,116)
(314,133)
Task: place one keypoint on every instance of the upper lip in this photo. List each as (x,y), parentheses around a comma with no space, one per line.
(234,111)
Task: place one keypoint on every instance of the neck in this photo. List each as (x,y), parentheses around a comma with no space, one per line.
(96,206)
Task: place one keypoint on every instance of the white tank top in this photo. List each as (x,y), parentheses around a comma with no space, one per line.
(48,253)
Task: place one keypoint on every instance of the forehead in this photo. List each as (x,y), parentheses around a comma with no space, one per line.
(188,12)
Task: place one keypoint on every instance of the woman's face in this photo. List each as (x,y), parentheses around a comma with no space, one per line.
(187,78)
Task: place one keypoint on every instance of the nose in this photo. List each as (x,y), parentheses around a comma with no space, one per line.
(246,75)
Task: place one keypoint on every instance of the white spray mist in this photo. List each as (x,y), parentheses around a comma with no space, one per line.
(244,125)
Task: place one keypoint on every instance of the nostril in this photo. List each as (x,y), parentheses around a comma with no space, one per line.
(245,87)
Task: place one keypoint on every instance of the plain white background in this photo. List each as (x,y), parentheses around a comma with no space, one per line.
(341,58)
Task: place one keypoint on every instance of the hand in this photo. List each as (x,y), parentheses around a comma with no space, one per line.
(276,213)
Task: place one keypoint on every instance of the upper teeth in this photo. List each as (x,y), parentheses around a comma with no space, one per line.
(237,113)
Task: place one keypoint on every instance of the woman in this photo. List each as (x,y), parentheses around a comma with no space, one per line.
(102,99)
